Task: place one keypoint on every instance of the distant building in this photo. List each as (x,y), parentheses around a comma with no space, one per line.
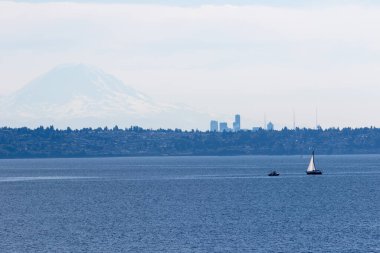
(223,127)
(270,126)
(255,129)
(236,124)
(214,127)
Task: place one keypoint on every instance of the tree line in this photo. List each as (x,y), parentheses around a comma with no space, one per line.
(47,142)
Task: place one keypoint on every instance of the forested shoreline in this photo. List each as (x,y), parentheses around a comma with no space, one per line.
(45,142)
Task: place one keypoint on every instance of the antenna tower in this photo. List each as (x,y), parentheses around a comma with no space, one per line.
(316,118)
(265,121)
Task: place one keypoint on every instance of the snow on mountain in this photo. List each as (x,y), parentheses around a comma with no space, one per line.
(82,96)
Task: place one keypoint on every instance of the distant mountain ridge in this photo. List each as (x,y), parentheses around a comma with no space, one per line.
(79,95)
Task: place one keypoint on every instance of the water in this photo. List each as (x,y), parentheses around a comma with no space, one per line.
(190,204)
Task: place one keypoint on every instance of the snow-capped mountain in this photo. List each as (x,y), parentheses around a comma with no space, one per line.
(79,96)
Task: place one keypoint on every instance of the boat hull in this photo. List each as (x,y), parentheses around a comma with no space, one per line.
(273,173)
(316,172)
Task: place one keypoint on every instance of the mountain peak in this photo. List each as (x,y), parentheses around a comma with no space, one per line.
(80,95)
(68,81)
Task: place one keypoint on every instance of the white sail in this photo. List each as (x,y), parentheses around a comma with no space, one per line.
(311,164)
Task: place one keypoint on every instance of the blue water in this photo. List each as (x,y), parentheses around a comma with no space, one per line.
(190,204)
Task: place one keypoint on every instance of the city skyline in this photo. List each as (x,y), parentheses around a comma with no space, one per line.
(222,126)
(217,57)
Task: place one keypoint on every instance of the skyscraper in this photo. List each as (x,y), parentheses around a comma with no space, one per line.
(223,127)
(236,124)
(270,126)
(214,126)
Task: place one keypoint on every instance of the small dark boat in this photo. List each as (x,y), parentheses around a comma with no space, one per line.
(273,173)
(311,170)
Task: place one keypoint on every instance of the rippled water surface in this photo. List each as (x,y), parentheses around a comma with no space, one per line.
(190,204)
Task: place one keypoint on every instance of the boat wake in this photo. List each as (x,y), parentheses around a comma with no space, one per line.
(40,178)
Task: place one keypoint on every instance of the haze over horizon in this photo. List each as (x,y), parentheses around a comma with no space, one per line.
(218,57)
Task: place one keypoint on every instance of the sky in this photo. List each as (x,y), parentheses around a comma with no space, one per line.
(222,57)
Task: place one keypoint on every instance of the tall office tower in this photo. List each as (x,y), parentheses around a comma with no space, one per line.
(214,126)
(223,127)
(236,124)
(270,126)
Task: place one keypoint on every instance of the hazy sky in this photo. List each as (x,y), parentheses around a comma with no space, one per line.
(221,57)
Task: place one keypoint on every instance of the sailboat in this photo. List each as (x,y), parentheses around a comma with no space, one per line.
(311,170)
